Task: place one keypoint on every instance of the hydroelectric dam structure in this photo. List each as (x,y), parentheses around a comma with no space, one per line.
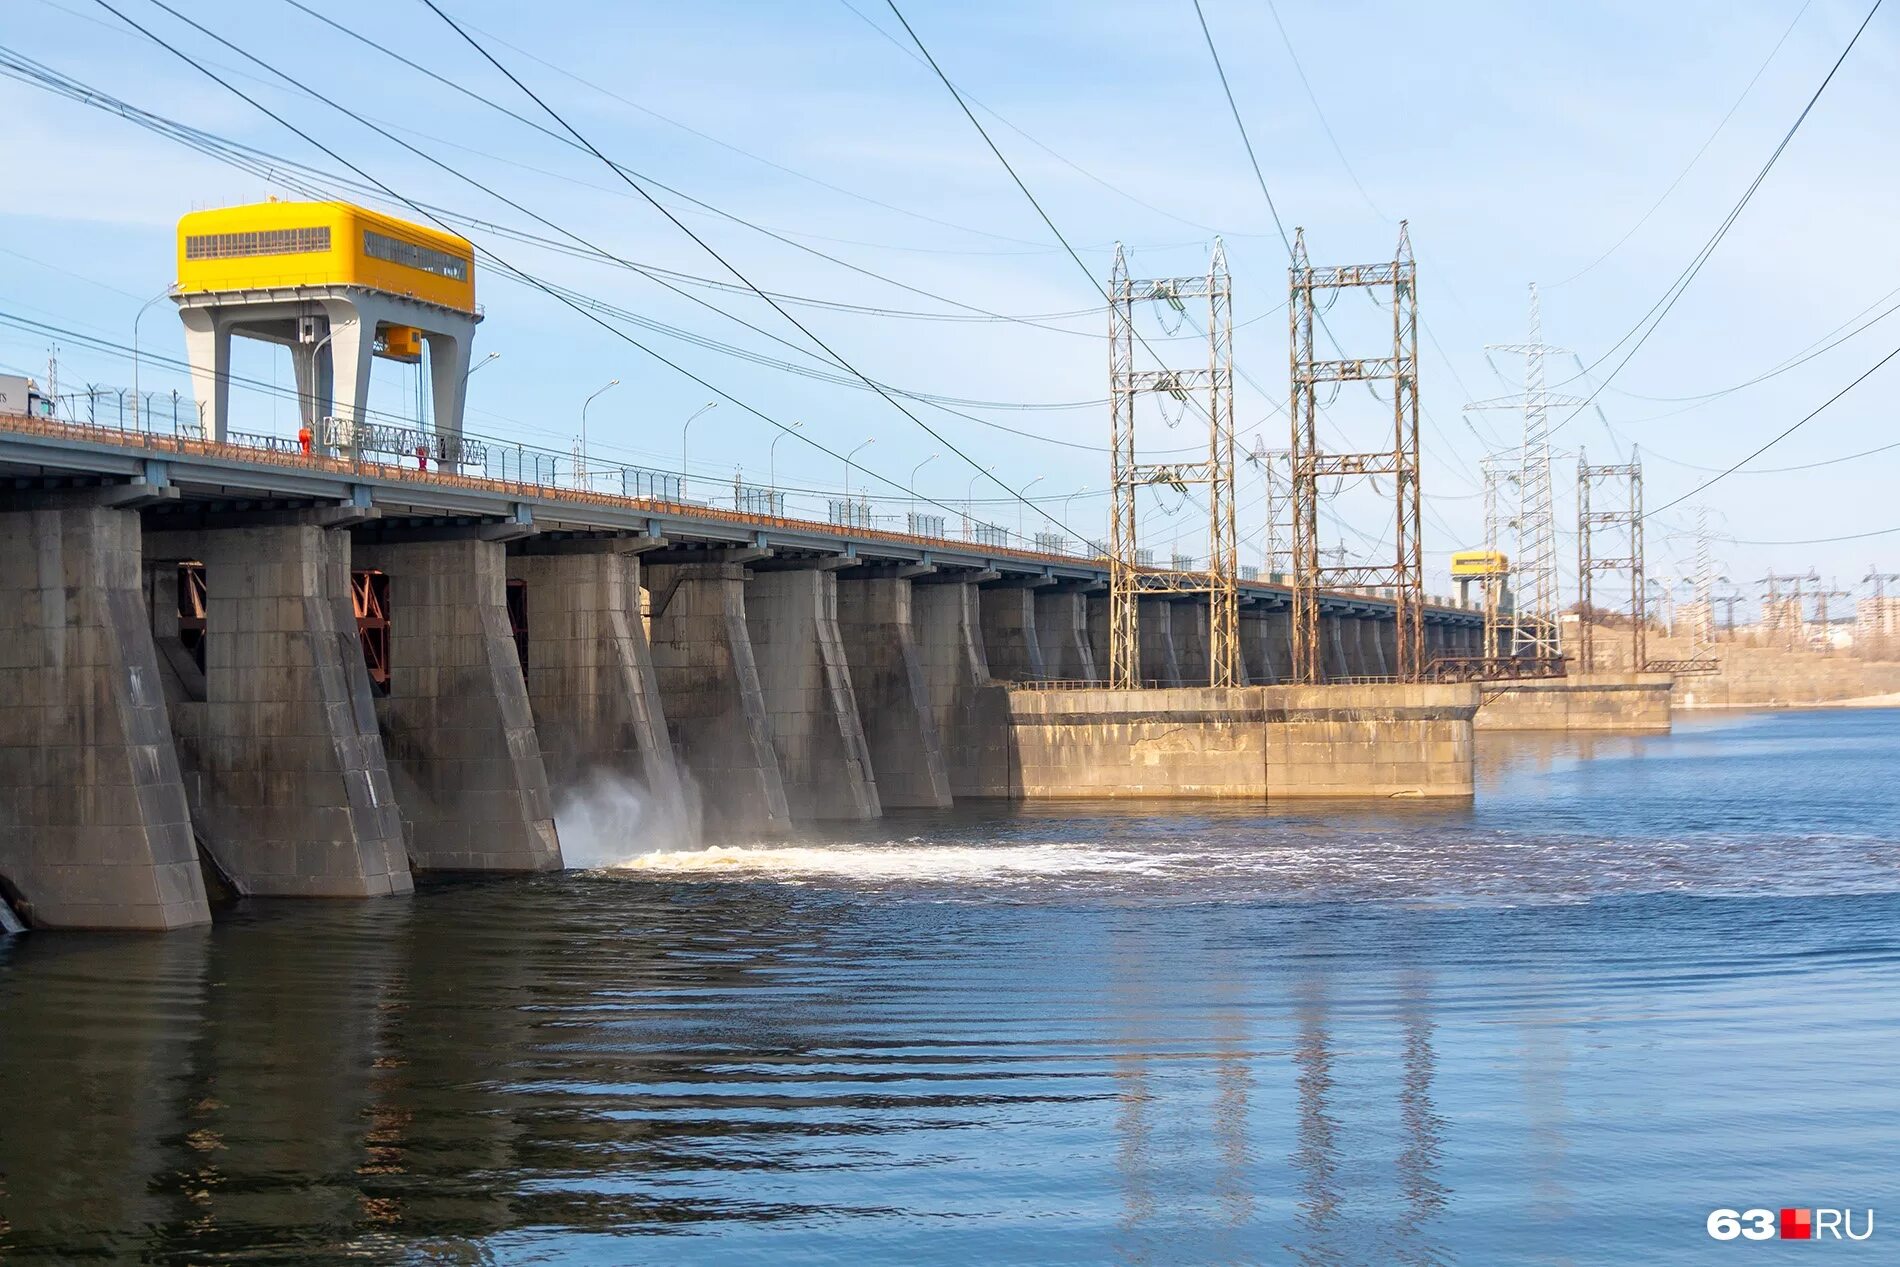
(317,667)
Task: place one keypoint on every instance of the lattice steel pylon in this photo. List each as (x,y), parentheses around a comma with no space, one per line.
(1496,473)
(1629,517)
(1277,534)
(1536,631)
(1126,579)
(1406,575)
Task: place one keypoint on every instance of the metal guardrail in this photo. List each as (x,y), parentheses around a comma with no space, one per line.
(1493,669)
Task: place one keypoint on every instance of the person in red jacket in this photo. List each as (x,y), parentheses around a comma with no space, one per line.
(303,439)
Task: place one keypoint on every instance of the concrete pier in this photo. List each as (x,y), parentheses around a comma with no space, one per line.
(1372,661)
(805,681)
(457,727)
(710,691)
(283,761)
(1189,620)
(590,676)
(1248,743)
(969,710)
(1338,656)
(1010,641)
(94,829)
(887,675)
(1062,628)
(1155,628)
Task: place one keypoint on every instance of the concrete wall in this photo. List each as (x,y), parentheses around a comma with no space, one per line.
(1244,742)
(887,676)
(590,677)
(1098,632)
(1589,701)
(1338,656)
(94,829)
(1062,628)
(806,687)
(969,711)
(1010,641)
(457,727)
(709,687)
(283,761)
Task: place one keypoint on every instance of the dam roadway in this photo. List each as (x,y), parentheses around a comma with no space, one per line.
(320,674)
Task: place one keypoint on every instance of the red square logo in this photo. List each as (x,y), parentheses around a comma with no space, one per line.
(1797,1225)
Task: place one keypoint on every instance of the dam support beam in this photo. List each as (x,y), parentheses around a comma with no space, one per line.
(1372,659)
(1335,652)
(823,761)
(1098,633)
(1009,633)
(589,671)
(1255,655)
(876,621)
(1159,664)
(283,761)
(970,710)
(710,692)
(1388,642)
(457,727)
(1062,627)
(94,829)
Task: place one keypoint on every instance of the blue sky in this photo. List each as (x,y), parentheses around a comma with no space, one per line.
(1522,142)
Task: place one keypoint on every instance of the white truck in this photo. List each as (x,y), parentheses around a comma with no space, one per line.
(20,395)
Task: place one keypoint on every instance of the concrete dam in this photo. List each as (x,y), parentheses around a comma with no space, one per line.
(323,674)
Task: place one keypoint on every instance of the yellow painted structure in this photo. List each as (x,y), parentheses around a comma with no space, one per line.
(276,244)
(1470,564)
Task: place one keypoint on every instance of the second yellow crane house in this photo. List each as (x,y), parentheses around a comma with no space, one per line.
(275,244)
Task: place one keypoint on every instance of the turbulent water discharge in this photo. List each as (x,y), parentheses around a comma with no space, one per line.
(1639,979)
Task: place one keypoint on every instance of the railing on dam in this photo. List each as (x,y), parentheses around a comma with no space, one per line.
(516,471)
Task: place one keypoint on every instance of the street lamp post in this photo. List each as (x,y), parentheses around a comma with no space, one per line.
(771,459)
(683,430)
(581,474)
(847,470)
(1066,500)
(913,477)
(485,360)
(138,403)
(969,500)
(1022,503)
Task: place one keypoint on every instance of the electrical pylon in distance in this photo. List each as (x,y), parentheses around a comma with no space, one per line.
(1126,579)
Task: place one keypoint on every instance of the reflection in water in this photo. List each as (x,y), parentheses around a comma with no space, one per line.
(1188,1035)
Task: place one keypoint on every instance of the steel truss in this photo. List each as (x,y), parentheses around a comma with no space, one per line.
(1629,518)
(1405,576)
(1126,578)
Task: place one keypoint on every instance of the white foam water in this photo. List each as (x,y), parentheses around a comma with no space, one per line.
(896,861)
(607,814)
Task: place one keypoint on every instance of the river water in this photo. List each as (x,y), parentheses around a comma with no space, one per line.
(1637,980)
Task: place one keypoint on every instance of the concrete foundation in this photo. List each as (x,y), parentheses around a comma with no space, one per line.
(1588,701)
(969,711)
(709,689)
(1062,627)
(1010,642)
(823,761)
(283,761)
(887,675)
(457,727)
(1338,655)
(1098,633)
(590,678)
(1155,628)
(94,829)
(1258,743)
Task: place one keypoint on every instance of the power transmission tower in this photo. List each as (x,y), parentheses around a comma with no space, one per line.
(1729,602)
(1628,517)
(1406,575)
(1536,631)
(1497,469)
(1883,620)
(1777,603)
(1127,477)
(1821,597)
(1702,631)
(1276,549)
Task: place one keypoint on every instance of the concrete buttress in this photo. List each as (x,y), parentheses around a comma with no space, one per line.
(283,762)
(1062,629)
(805,678)
(709,688)
(590,676)
(971,712)
(1255,655)
(1009,633)
(457,727)
(1189,619)
(1155,629)
(887,675)
(94,829)
(1336,656)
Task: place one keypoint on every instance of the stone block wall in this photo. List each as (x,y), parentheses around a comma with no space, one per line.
(1584,701)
